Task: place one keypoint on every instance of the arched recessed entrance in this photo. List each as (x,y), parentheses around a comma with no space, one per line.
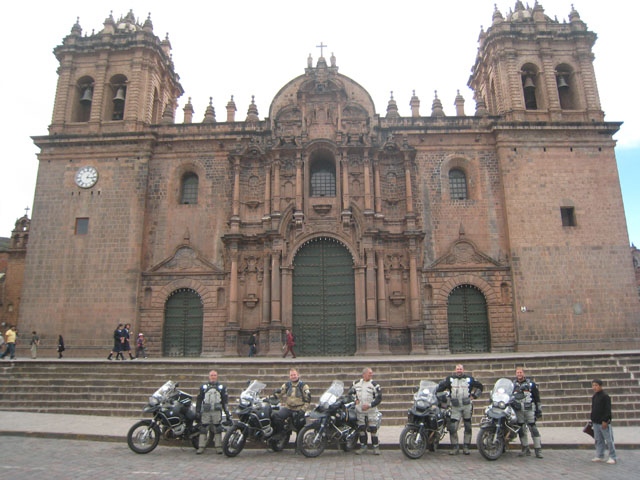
(324,318)
(468,320)
(182,333)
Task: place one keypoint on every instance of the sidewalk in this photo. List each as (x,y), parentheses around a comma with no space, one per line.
(114,429)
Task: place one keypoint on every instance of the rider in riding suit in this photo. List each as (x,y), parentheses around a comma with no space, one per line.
(463,389)
(368,396)
(527,406)
(297,399)
(212,401)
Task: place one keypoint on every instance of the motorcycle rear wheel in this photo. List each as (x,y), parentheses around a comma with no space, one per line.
(412,446)
(143,436)
(279,444)
(233,441)
(488,448)
(309,442)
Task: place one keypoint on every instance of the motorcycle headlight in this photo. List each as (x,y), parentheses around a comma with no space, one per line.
(153,401)
(499,404)
(244,403)
(421,404)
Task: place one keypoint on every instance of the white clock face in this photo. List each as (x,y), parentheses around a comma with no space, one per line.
(86,177)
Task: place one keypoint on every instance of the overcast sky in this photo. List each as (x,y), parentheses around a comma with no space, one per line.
(244,48)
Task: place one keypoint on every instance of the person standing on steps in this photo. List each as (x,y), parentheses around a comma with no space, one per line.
(368,395)
(528,409)
(212,401)
(35,343)
(463,389)
(253,344)
(601,420)
(10,338)
(141,343)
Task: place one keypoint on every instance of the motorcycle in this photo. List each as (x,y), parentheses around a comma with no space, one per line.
(255,422)
(174,417)
(499,425)
(427,421)
(334,419)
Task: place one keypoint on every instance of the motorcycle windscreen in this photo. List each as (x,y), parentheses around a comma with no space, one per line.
(426,391)
(164,390)
(502,391)
(253,390)
(331,395)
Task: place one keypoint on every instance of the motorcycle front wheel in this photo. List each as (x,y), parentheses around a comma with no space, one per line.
(233,441)
(143,436)
(310,442)
(412,442)
(279,444)
(490,448)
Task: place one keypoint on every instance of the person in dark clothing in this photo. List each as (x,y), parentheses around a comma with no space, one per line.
(118,342)
(126,345)
(253,344)
(601,419)
(60,346)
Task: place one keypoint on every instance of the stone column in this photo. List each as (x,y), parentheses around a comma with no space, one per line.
(383,321)
(275,288)
(235,205)
(276,186)
(233,290)
(299,164)
(266,289)
(372,317)
(368,204)
(267,193)
(377,193)
(407,180)
(345,184)
(415,326)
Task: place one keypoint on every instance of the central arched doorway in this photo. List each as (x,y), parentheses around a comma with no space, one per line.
(468,321)
(182,333)
(324,318)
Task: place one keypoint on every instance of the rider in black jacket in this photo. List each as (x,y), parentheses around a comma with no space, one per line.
(212,401)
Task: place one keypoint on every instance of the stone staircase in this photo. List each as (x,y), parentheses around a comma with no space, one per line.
(122,388)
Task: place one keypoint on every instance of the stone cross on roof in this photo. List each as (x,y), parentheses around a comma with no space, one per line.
(321,46)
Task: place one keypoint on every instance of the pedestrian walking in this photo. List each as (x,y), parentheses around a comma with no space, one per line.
(118,342)
(253,344)
(60,346)
(126,346)
(289,344)
(10,338)
(601,419)
(35,343)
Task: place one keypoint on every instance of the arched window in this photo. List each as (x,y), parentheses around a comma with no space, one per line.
(530,86)
(84,99)
(189,191)
(116,98)
(323,178)
(458,184)
(565,81)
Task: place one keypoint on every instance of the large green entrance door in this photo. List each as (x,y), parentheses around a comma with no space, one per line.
(182,334)
(468,321)
(324,318)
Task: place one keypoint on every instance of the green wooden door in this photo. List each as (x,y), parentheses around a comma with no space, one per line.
(324,318)
(468,321)
(182,335)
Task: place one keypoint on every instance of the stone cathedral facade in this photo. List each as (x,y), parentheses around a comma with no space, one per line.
(364,233)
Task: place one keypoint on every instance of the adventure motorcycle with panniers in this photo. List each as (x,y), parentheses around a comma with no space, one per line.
(174,418)
(255,421)
(334,419)
(427,420)
(499,425)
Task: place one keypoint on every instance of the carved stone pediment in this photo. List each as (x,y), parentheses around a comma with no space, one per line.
(464,253)
(185,259)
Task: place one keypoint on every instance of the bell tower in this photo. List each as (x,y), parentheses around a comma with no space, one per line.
(530,67)
(119,79)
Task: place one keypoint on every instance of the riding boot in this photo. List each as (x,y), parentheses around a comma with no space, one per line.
(526,451)
(538,453)
(202,443)
(465,449)
(361,450)
(455,449)
(217,441)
